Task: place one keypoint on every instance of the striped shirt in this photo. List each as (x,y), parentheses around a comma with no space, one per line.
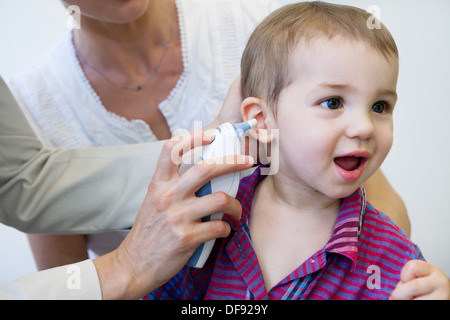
(362,260)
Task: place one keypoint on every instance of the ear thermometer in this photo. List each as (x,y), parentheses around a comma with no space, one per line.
(227,141)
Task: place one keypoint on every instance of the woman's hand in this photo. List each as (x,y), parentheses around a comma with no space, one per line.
(168,227)
(231,108)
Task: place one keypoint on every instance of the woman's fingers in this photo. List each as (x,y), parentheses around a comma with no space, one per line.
(172,152)
(218,202)
(206,231)
(201,173)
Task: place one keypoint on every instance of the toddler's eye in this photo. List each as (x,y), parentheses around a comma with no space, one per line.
(379,107)
(332,103)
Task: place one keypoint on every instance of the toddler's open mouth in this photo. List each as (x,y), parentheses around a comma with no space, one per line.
(348,163)
(350,167)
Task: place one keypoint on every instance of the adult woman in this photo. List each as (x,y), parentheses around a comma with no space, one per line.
(135,72)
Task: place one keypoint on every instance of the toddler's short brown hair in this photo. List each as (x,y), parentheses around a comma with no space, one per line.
(265,62)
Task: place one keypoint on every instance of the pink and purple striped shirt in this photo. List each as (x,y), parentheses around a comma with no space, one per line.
(362,260)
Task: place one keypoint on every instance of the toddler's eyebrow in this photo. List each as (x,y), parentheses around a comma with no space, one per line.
(348,87)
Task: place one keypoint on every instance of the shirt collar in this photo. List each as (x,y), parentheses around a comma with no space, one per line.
(345,236)
(343,240)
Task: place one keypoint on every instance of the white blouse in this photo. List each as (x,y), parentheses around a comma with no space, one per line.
(66,112)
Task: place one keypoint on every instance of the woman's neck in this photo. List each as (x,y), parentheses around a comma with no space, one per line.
(133,48)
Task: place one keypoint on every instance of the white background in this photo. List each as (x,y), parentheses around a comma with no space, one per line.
(418,165)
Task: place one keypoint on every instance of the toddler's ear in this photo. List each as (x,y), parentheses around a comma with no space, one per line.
(254,108)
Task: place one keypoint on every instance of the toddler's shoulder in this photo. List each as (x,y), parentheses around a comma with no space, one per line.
(382,234)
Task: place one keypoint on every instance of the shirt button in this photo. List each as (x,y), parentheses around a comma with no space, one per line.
(312,260)
(240,249)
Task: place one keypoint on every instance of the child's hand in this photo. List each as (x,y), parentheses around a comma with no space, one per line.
(421,280)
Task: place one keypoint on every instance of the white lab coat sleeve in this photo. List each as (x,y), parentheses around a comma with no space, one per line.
(77,281)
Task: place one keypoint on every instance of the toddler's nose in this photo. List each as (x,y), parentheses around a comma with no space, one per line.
(360,126)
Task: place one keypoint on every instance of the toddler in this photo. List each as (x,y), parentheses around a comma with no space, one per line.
(315,74)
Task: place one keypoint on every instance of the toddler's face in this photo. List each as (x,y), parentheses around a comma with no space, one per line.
(335,118)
